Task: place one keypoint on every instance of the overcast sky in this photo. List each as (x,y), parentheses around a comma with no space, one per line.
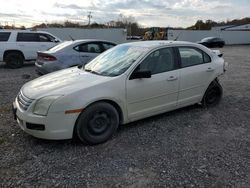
(175,13)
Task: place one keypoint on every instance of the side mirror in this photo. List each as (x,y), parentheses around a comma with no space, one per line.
(56,41)
(140,74)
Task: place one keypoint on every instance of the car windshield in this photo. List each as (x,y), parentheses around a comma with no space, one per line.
(115,61)
(60,46)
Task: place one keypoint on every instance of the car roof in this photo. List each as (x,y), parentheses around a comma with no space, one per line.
(158,43)
(91,40)
(20,30)
(209,38)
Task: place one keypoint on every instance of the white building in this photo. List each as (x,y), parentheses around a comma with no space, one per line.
(110,34)
(237,34)
(243,27)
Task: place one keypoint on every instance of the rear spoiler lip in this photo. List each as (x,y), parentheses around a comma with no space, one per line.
(43,53)
(218,53)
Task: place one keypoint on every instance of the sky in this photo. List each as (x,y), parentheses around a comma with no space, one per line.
(162,13)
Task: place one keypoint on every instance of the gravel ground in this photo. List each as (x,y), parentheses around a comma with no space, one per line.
(190,147)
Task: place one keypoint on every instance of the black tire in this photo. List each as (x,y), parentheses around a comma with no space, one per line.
(212,95)
(97,123)
(14,60)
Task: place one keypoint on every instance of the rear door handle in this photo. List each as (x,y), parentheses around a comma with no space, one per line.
(85,56)
(210,69)
(172,78)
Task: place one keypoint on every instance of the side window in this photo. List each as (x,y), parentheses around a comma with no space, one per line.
(82,48)
(216,39)
(90,48)
(206,58)
(27,37)
(107,46)
(191,56)
(52,39)
(159,61)
(94,48)
(4,36)
(44,38)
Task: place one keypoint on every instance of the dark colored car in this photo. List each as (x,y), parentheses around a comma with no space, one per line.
(212,42)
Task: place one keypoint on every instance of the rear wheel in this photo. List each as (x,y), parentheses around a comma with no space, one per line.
(212,95)
(97,123)
(14,60)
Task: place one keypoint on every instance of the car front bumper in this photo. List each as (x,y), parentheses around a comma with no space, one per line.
(57,126)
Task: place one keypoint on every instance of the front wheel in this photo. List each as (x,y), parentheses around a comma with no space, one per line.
(212,95)
(97,123)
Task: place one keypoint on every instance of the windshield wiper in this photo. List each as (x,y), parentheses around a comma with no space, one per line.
(88,70)
(92,71)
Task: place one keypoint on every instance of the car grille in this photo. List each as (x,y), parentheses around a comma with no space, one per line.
(23,101)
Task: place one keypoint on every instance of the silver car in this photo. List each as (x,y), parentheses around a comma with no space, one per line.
(69,54)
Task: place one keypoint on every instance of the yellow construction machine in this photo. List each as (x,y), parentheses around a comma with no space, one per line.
(155,33)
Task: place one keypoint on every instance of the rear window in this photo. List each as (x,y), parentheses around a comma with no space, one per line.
(4,36)
(61,46)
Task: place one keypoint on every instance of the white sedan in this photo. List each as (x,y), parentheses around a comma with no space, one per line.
(126,83)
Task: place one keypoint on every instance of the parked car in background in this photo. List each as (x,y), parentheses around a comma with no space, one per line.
(17,46)
(126,83)
(69,54)
(212,42)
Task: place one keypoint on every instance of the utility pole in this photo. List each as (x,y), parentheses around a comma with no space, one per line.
(89,17)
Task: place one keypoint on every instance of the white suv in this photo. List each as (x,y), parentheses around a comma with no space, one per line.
(17,46)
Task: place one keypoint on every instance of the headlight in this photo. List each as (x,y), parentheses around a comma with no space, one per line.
(42,105)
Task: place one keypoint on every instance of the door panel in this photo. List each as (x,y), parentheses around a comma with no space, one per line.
(29,49)
(196,73)
(193,82)
(85,57)
(149,96)
(153,95)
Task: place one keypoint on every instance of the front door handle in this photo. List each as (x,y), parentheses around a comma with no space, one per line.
(172,78)
(85,56)
(210,69)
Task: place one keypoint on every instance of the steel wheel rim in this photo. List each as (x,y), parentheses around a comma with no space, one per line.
(99,123)
(212,96)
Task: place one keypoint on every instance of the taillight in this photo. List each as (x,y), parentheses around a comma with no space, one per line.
(49,58)
(46,57)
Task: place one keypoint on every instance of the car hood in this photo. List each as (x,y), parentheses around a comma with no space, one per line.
(61,83)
